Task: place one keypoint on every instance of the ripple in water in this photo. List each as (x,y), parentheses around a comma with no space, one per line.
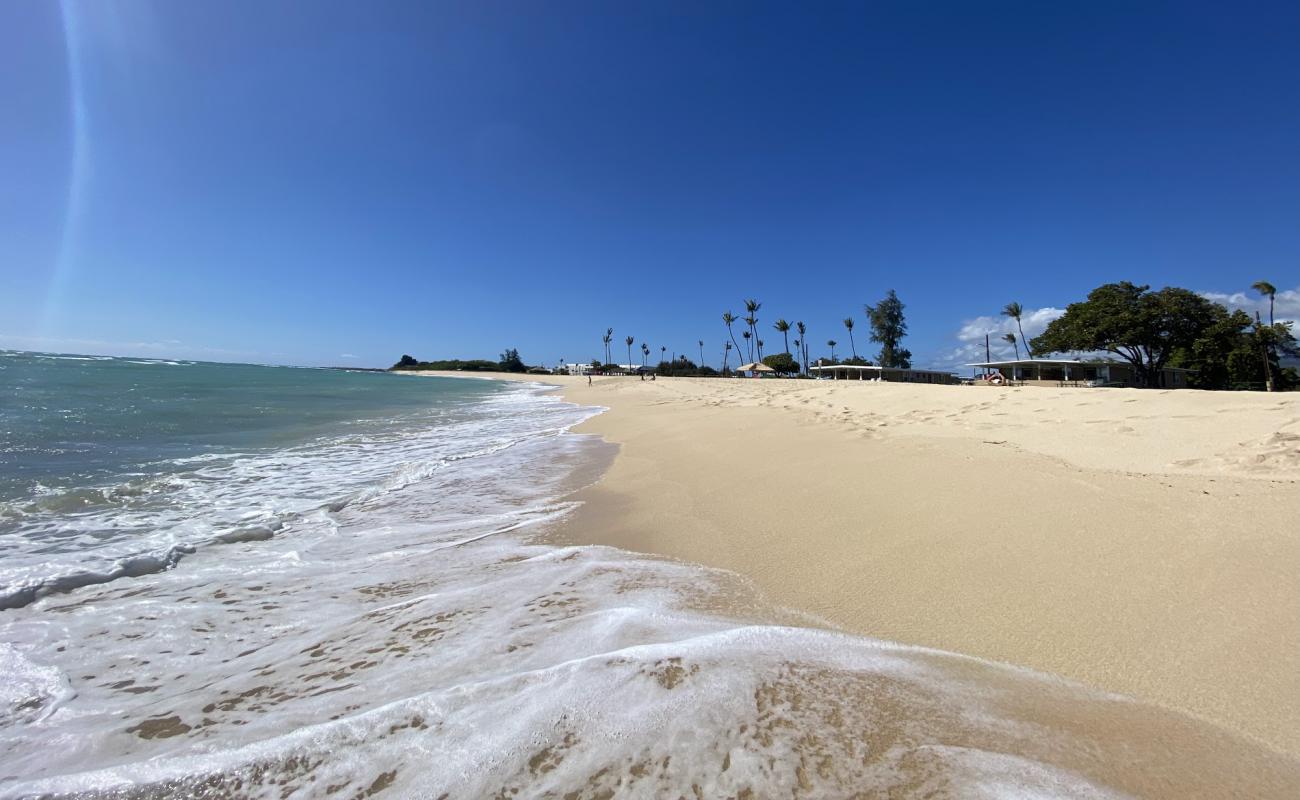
(423,640)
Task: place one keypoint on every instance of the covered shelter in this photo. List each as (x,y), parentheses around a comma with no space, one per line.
(1076,372)
(755,368)
(871,372)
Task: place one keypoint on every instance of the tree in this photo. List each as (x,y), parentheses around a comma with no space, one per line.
(784,327)
(1268,290)
(406,361)
(783,363)
(609,337)
(888,327)
(803,339)
(1014,311)
(663,348)
(749,345)
(1234,351)
(701,344)
(645,354)
(848,323)
(511,362)
(751,308)
(831,343)
(630,341)
(760,349)
(730,318)
(1011,339)
(1143,327)
(726,354)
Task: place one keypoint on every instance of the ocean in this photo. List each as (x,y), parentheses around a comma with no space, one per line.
(232,580)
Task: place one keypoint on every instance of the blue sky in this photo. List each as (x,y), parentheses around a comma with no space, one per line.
(341,183)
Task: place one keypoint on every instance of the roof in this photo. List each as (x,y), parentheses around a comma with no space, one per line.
(820,367)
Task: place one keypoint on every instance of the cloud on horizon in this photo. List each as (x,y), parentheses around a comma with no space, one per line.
(1286,307)
(970,338)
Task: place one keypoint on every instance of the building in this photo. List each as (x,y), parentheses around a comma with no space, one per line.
(1074,372)
(858,372)
(578,369)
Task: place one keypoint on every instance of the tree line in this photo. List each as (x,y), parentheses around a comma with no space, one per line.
(1173,327)
(885,318)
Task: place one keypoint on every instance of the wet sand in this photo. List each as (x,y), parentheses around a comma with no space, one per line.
(1138,542)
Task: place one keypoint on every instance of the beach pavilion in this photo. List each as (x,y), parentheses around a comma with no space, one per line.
(870,372)
(1077,372)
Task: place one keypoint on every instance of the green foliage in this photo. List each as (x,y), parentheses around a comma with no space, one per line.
(783,363)
(1143,327)
(856,361)
(685,368)
(888,327)
(511,362)
(1238,352)
(455,365)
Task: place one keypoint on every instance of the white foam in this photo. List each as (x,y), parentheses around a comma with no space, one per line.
(414,639)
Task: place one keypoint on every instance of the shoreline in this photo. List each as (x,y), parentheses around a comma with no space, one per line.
(1000,524)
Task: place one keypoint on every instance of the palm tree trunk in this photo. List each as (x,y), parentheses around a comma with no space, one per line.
(853,345)
(1023,339)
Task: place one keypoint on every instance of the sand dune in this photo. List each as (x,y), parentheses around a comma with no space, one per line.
(1142,542)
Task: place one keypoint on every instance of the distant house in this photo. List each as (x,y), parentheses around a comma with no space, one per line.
(1075,372)
(858,372)
(578,369)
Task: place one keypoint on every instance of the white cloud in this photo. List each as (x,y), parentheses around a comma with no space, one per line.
(970,337)
(347,355)
(1286,307)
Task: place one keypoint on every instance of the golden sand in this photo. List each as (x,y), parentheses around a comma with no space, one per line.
(1141,542)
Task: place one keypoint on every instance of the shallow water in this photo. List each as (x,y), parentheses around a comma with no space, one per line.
(399,628)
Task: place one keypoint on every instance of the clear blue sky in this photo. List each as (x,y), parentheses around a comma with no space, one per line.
(324,183)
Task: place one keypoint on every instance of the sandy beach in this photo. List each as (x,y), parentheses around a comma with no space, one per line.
(1140,542)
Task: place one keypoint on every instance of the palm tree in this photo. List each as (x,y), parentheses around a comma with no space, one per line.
(1014,311)
(831,343)
(753,334)
(1011,337)
(729,318)
(784,327)
(848,323)
(629,340)
(760,349)
(609,337)
(1268,290)
(645,353)
(752,307)
(749,341)
(726,353)
(701,343)
(803,343)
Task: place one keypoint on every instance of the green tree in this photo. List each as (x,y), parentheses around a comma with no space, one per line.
(1011,339)
(1268,290)
(1143,327)
(511,362)
(1014,311)
(751,319)
(726,354)
(783,363)
(701,344)
(888,327)
(784,327)
(645,354)
(630,341)
(609,337)
(729,318)
(803,340)
(749,346)
(848,323)
(831,344)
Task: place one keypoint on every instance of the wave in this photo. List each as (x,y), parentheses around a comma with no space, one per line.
(429,640)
